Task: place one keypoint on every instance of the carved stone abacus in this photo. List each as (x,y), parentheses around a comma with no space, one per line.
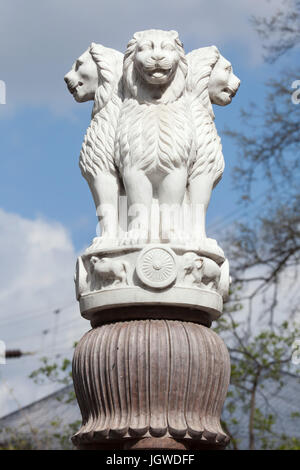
(151,373)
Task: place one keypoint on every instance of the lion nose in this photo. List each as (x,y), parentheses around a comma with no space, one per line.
(66,79)
(237,83)
(157,57)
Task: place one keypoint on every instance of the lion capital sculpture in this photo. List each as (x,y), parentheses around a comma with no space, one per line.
(152,130)
(154,136)
(96,75)
(210,81)
(152,292)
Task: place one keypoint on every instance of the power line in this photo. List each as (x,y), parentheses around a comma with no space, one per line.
(241,211)
(46,331)
(15,317)
(12,353)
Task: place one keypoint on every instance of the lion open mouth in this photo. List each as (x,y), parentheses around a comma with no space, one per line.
(158,73)
(229,91)
(73,89)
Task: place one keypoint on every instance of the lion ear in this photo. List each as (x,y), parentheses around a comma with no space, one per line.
(138,35)
(174,33)
(95,47)
(214,48)
(216,51)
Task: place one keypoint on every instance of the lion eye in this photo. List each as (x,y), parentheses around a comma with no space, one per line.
(77,64)
(145,47)
(169,47)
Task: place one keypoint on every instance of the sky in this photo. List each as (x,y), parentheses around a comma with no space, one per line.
(47,216)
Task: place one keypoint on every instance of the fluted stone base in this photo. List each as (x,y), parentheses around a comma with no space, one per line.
(151,384)
(152,443)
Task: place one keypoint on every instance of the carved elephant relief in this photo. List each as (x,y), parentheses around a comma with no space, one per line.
(204,272)
(198,270)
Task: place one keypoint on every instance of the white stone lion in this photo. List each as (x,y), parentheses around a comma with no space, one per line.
(211,75)
(96,75)
(154,136)
(210,81)
(164,140)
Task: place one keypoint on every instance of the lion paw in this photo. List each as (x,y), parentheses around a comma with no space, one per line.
(178,238)
(211,245)
(134,237)
(101,242)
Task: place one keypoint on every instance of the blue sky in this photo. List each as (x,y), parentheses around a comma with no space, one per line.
(46,212)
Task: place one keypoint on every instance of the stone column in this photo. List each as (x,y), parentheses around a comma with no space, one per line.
(151,374)
(144,384)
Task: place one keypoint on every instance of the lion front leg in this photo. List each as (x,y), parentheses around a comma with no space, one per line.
(105,188)
(171,192)
(200,189)
(139,198)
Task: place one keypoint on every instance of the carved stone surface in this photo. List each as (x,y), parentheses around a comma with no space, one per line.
(153,124)
(96,75)
(152,378)
(108,272)
(157,274)
(156,267)
(145,376)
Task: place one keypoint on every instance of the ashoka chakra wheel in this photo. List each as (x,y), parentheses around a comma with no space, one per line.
(156,267)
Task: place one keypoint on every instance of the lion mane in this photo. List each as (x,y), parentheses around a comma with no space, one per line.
(97,152)
(136,88)
(207,158)
(200,64)
(153,133)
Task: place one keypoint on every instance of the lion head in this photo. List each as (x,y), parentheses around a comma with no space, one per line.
(211,77)
(95,75)
(155,67)
(223,84)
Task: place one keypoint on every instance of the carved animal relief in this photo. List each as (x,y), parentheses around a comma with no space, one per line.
(108,272)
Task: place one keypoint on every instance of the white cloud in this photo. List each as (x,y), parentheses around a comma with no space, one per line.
(36,277)
(35,255)
(41,39)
